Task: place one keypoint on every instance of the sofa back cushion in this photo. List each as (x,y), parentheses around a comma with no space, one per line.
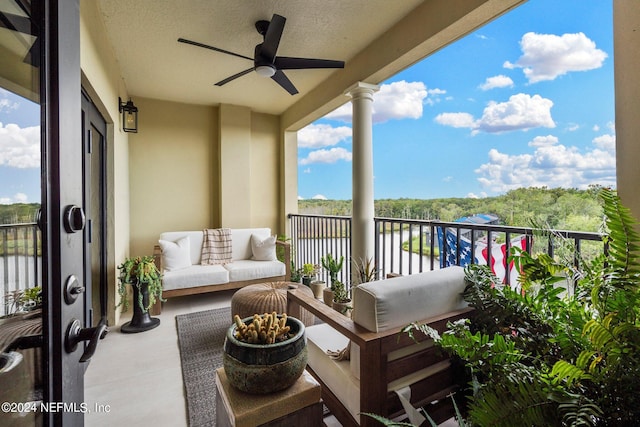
(195,242)
(241,241)
(390,303)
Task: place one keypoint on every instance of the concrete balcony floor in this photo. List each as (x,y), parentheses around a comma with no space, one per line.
(139,375)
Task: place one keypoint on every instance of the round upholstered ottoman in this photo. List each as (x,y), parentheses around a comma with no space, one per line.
(267,298)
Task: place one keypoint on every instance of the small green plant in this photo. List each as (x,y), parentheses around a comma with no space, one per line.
(365,271)
(296,273)
(22,300)
(139,271)
(340,293)
(333,266)
(309,270)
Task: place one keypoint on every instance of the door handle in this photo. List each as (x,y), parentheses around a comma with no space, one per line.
(76,334)
(74,219)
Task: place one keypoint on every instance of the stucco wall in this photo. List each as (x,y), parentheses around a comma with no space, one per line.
(626,29)
(172,170)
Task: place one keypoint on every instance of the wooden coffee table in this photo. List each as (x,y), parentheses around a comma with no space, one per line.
(299,405)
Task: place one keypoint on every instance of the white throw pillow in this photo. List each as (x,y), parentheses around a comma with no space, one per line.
(263,249)
(176,255)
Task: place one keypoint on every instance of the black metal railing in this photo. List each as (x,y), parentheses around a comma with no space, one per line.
(408,246)
(20,260)
(315,236)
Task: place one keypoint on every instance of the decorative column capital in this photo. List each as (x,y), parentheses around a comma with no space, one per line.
(361,89)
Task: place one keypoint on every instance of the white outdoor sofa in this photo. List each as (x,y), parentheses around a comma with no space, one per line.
(250,262)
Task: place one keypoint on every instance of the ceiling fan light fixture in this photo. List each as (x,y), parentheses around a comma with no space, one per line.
(266,70)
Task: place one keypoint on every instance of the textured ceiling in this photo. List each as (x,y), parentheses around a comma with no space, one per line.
(144,34)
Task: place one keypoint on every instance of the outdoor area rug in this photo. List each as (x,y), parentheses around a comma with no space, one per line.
(200,339)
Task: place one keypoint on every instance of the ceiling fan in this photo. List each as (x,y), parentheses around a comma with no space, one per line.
(265,61)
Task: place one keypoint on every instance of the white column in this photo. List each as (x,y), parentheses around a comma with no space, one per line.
(362,227)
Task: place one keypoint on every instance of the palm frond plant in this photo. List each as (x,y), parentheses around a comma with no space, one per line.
(546,356)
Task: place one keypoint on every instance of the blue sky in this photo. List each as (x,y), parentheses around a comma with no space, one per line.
(19,149)
(527,100)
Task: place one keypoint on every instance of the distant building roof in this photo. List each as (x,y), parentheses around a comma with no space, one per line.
(479,219)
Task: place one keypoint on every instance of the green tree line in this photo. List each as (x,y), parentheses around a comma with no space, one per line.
(18,213)
(557,208)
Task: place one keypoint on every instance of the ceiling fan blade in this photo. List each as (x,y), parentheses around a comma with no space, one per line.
(206,46)
(280,78)
(287,63)
(272,37)
(235,76)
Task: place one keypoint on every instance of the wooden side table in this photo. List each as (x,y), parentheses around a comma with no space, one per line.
(299,405)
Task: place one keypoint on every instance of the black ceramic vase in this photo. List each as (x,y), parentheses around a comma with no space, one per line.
(141,320)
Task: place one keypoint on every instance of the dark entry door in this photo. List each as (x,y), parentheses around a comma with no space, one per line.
(70,337)
(42,362)
(94,130)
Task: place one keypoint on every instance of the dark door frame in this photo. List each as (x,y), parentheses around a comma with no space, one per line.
(63,249)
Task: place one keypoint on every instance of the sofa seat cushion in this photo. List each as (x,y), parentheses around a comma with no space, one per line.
(196,275)
(335,374)
(251,270)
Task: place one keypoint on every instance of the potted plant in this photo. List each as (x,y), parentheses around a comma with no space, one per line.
(341,301)
(22,304)
(146,282)
(365,271)
(309,272)
(333,266)
(296,273)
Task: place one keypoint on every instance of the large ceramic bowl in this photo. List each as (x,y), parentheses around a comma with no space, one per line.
(265,368)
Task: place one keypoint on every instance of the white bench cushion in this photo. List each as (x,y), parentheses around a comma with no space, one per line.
(196,275)
(250,270)
(335,374)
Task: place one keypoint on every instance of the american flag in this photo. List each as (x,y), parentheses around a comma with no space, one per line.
(497,259)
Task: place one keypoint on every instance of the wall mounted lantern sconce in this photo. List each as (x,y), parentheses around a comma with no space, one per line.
(129,116)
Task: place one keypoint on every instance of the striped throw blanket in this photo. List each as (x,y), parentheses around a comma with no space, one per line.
(216,246)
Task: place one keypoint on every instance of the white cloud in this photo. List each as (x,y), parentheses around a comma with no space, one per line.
(7,105)
(605,142)
(322,135)
(319,197)
(394,101)
(551,165)
(447,179)
(327,156)
(572,127)
(456,120)
(521,112)
(300,198)
(307,170)
(547,56)
(541,141)
(17,198)
(20,198)
(596,128)
(472,195)
(496,82)
(19,147)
